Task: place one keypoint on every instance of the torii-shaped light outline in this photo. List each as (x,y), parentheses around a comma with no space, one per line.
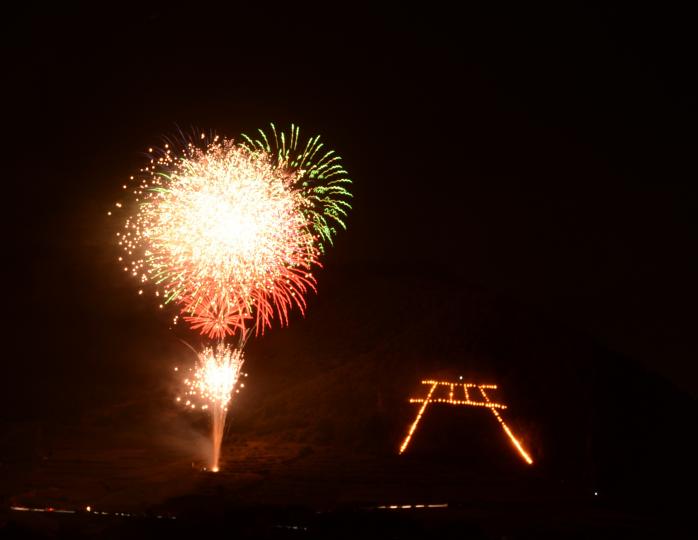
(493,407)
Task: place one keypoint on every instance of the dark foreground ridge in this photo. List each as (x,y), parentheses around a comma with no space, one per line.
(311,449)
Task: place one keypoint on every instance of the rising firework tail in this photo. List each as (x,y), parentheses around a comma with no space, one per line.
(210,387)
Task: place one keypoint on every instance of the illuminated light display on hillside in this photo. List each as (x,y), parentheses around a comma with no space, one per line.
(468,401)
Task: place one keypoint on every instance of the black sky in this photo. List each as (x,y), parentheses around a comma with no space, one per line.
(547,156)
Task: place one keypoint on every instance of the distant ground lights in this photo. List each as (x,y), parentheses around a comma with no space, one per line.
(451,398)
(230,232)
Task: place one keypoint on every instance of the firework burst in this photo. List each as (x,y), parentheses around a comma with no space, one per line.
(231,232)
(214,378)
(318,175)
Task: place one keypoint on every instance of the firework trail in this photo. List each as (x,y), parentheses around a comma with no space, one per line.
(215,377)
(231,232)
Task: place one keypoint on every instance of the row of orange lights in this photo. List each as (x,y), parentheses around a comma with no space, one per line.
(462,402)
(513,439)
(469,385)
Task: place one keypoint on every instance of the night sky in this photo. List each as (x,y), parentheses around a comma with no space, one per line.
(545,156)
